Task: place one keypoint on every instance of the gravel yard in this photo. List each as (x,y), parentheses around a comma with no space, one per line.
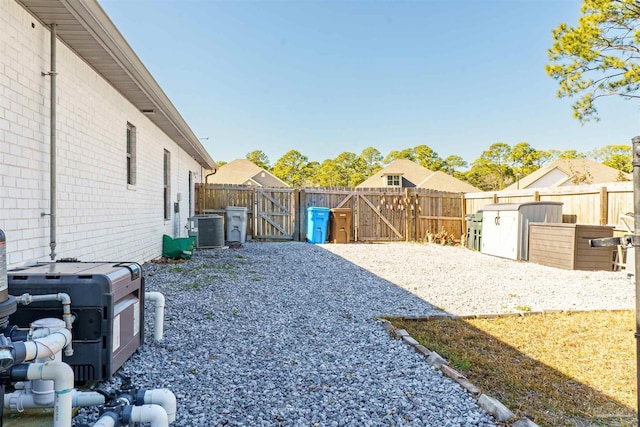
(462,281)
(284,334)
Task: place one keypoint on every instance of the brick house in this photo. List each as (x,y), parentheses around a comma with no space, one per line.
(125,161)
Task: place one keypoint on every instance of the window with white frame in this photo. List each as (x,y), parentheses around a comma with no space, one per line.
(131,154)
(393,180)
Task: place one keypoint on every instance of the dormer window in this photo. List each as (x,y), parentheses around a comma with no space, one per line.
(393,180)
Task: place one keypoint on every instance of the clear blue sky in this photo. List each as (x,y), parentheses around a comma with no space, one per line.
(325,77)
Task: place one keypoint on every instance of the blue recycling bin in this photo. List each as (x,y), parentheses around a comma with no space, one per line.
(317,224)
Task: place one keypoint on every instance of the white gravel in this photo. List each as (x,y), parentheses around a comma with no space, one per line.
(283,334)
(461,281)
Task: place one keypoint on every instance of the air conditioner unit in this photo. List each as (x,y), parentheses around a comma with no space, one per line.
(208,231)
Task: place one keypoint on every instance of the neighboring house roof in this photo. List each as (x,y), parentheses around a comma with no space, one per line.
(245,172)
(414,175)
(563,172)
(86,29)
(441,181)
(411,172)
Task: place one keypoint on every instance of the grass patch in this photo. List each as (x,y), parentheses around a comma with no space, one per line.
(561,369)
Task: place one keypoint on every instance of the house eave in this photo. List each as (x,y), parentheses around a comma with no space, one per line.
(85,28)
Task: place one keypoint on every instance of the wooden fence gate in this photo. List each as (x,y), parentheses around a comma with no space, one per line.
(384,214)
(390,214)
(275,218)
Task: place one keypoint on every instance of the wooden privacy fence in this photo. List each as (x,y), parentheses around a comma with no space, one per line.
(397,214)
(594,204)
(393,214)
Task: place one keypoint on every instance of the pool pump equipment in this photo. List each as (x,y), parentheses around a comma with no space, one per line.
(67,322)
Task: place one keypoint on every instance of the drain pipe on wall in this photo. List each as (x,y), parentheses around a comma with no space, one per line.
(52,148)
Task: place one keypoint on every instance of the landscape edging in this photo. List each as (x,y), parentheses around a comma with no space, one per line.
(499,411)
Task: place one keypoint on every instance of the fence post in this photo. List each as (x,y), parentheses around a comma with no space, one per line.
(301,216)
(463,220)
(296,214)
(495,197)
(356,215)
(407,216)
(254,210)
(604,206)
(536,196)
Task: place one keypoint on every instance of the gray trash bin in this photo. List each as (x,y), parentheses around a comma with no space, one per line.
(236,223)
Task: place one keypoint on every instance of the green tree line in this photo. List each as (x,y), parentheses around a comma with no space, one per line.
(496,168)
(598,57)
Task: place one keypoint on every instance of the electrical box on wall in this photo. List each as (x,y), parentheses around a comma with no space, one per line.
(107,300)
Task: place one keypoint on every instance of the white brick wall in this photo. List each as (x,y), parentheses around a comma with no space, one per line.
(98,216)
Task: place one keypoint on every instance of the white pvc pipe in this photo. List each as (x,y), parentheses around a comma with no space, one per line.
(62,376)
(105,421)
(65,299)
(87,398)
(158,300)
(20,400)
(153,414)
(165,398)
(47,346)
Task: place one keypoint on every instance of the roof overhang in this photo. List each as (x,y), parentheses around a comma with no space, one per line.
(85,28)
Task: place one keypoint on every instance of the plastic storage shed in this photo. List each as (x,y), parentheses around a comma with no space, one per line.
(567,246)
(340,228)
(107,300)
(505,226)
(317,223)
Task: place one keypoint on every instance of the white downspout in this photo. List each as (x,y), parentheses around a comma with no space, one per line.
(62,376)
(165,398)
(153,414)
(158,300)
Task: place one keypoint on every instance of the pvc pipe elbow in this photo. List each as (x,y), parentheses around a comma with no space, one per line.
(59,372)
(62,376)
(63,298)
(152,414)
(158,300)
(165,398)
(156,297)
(47,346)
(108,419)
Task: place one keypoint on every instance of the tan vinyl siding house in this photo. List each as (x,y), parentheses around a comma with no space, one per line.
(245,172)
(403,173)
(570,172)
